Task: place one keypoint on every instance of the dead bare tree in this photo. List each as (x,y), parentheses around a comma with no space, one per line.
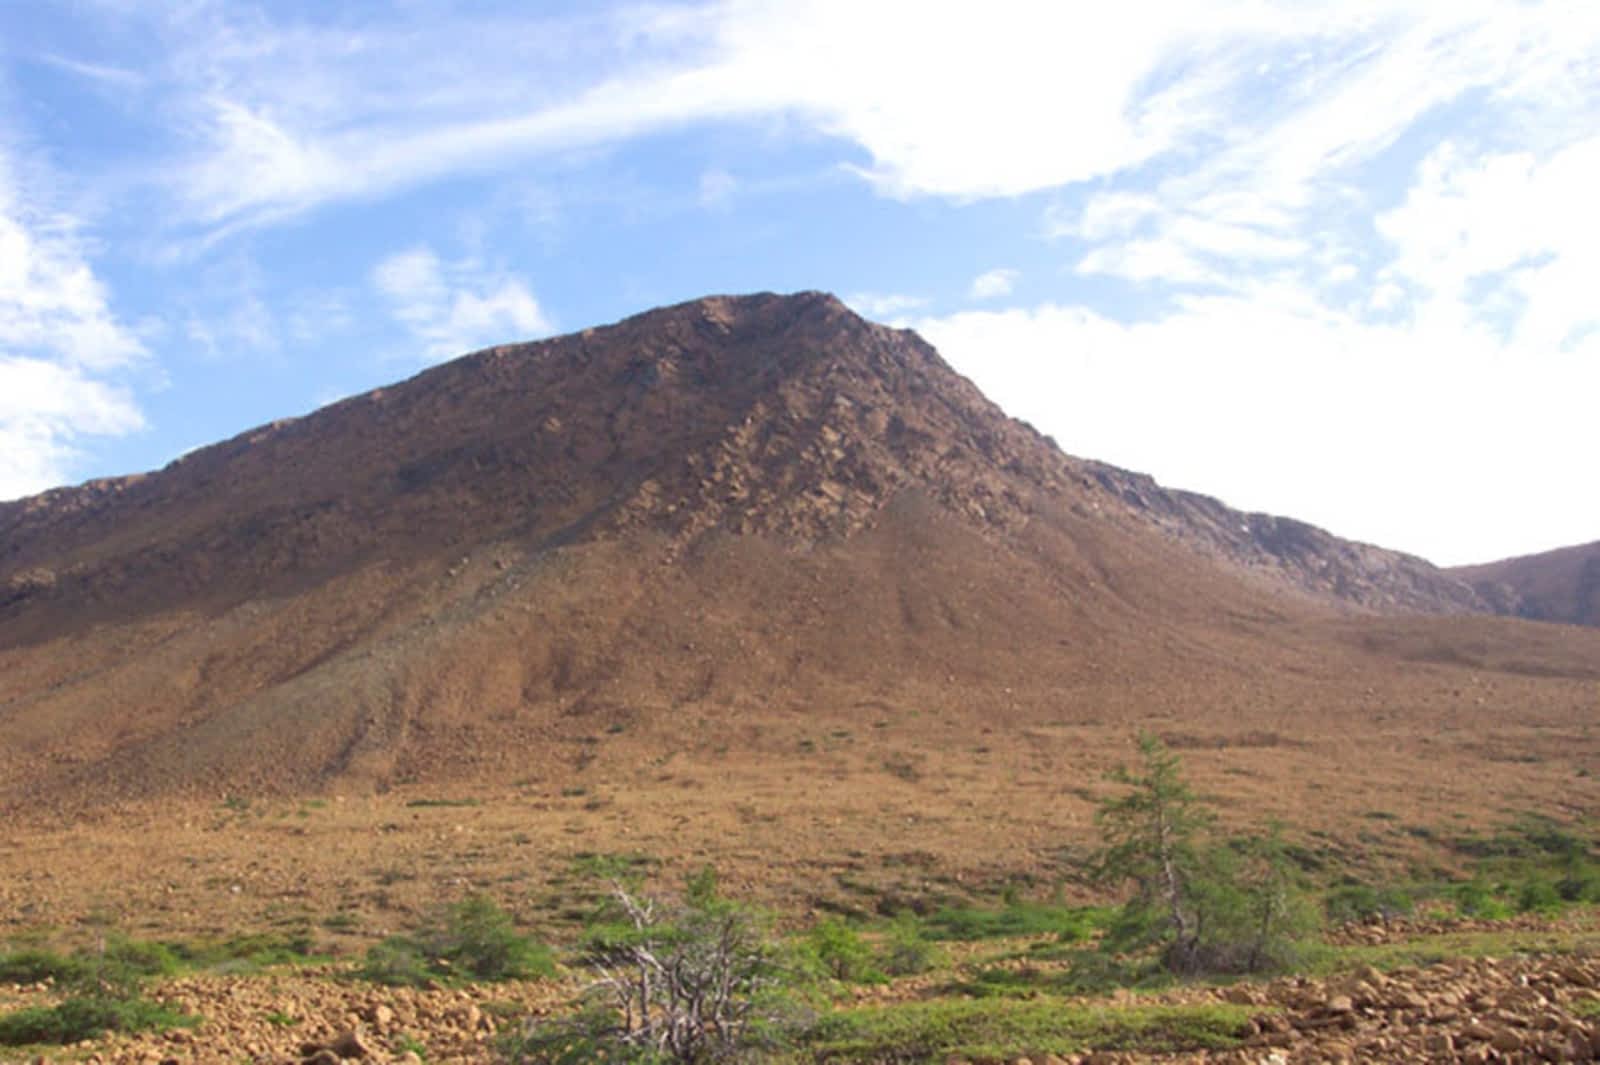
(692,984)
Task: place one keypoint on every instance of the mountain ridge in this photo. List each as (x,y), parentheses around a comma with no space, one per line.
(774,415)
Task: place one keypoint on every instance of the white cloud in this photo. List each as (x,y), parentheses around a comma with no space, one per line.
(61,348)
(1430,437)
(1508,233)
(46,408)
(885,306)
(993,283)
(453,308)
(1149,260)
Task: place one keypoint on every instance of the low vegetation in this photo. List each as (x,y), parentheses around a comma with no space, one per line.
(698,978)
(102,990)
(703,980)
(1203,906)
(935,1031)
(472,940)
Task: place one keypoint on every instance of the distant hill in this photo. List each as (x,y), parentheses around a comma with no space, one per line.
(1561,585)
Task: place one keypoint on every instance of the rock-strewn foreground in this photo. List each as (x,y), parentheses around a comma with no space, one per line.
(1523,1008)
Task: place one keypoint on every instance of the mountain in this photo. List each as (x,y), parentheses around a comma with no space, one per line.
(786,416)
(723,515)
(1561,585)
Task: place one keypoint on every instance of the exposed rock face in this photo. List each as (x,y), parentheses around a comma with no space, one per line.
(1562,585)
(1300,554)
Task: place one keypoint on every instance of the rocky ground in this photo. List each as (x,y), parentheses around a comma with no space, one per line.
(317,1017)
(1517,1008)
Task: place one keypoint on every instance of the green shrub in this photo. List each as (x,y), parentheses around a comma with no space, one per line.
(479,939)
(85,1017)
(32,966)
(1579,882)
(104,988)
(1353,903)
(398,961)
(474,939)
(906,951)
(119,967)
(1538,894)
(1477,898)
(840,952)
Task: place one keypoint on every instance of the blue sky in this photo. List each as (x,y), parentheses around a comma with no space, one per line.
(1332,260)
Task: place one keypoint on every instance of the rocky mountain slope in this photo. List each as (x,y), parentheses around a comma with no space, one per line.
(787,416)
(1562,585)
(731,506)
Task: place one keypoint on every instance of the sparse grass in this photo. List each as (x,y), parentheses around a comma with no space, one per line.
(246,953)
(418,804)
(341,922)
(1432,949)
(1088,972)
(1005,1029)
(1070,924)
(621,865)
(1530,864)
(405,1044)
(903,768)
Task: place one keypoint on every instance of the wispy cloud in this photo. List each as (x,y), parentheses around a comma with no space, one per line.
(1283,188)
(283,115)
(991,284)
(1507,237)
(100,73)
(453,308)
